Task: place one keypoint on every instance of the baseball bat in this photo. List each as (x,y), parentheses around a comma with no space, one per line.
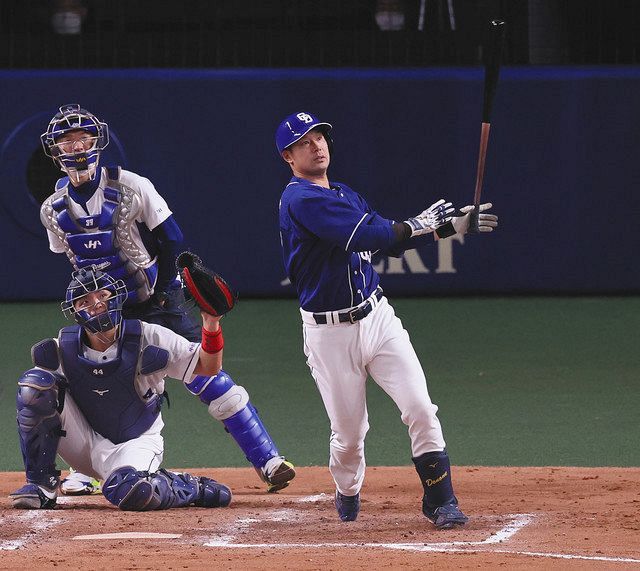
(491,73)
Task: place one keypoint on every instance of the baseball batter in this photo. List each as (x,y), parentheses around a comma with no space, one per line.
(116,220)
(94,396)
(328,234)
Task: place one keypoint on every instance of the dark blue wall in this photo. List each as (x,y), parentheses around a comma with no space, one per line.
(563,168)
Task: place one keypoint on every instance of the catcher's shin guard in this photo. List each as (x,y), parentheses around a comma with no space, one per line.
(133,490)
(39,426)
(230,404)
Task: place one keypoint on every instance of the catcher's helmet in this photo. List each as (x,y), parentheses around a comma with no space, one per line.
(296,126)
(87,280)
(72,117)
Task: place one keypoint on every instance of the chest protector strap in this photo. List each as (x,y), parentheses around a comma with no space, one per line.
(45,355)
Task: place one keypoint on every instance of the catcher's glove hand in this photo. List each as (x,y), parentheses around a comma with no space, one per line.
(210,292)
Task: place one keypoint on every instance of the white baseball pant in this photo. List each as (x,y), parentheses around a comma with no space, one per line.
(92,454)
(340,357)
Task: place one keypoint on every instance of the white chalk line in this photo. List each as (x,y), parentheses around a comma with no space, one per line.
(311,499)
(130,535)
(37,520)
(518,521)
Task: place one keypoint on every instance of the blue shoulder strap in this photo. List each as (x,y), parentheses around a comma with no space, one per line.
(113,173)
(153,359)
(62,182)
(45,355)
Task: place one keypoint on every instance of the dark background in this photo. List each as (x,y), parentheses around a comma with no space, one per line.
(193,91)
(314,33)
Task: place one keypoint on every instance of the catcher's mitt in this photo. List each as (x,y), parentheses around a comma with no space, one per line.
(209,291)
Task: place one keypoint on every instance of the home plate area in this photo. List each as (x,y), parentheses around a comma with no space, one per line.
(522,517)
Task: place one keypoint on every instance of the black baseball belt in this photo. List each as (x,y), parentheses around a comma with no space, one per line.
(351,315)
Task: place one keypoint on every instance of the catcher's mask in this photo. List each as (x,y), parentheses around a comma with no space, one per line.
(72,117)
(296,126)
(85,281)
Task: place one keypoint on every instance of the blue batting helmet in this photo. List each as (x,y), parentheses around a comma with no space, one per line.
(296,126)
(91,279)
(72,117)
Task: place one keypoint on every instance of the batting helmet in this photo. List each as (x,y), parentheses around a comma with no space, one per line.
(91,279)
(296,126)
(72,117)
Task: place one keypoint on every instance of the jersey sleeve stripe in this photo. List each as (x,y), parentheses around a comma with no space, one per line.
(346,249)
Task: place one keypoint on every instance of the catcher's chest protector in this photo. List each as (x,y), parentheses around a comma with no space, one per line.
(105,392)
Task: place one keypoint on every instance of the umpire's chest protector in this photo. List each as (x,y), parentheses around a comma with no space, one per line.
(106,392)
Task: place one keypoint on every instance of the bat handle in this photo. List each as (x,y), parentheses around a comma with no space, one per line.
(484,140)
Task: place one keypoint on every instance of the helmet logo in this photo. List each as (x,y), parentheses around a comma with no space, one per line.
(305,117)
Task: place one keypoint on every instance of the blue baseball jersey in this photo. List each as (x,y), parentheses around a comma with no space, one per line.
(328,236)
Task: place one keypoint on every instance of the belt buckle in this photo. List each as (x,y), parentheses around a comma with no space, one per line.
(352,315)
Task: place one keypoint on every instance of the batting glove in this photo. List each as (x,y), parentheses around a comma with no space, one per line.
(472,222)
(436,215)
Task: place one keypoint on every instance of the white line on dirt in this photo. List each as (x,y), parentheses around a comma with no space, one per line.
(131,535)
(36,520)
(317,498)
(518,521)
(569,556)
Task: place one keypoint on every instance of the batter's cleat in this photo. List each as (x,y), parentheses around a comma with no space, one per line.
(212,494)
(278,473)
(34,497)
(78,484)
(348,506)
(445,517)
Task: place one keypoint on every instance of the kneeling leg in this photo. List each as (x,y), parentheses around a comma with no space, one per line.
(135,490)
(39,430)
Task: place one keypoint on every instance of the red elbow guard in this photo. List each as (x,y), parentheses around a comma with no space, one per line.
(212,342)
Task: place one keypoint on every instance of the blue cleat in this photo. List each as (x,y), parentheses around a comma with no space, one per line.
(347,506)
(34,497)
(445,517)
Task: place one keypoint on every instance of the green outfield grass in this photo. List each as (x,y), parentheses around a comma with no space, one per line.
(519,381)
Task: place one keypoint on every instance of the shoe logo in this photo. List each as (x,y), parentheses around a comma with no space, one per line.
(99,392)
(429,482)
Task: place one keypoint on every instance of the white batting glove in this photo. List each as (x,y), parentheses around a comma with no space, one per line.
(473,221)
(436,215)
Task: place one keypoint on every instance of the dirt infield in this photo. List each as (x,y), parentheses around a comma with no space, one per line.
(521,518)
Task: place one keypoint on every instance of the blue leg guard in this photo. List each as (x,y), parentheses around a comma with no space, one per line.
(136,490)
(230,404)
(39,426)
(434,470)
(439,503)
